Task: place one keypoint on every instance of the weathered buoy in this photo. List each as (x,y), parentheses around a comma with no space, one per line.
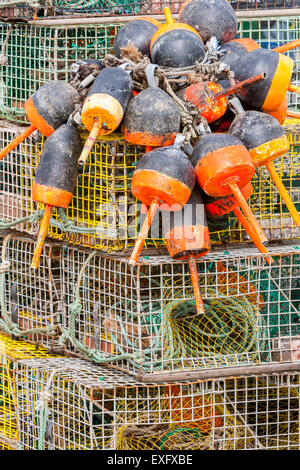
(270,93)
(218,207)
(265,139)
(55,177)
(210,18)
(47,109)
(163,176)
(188,238)
(137,33)
(152,117)
(176,44)
(223,165)
(210,97)
(104,107)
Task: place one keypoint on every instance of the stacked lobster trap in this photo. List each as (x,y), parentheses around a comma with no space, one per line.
(142,368)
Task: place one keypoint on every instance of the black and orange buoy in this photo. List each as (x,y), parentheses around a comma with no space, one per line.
(47,109)
(218,207)
(223,165)
(176,44)
(152,117)
(55,177)
(282,112)
(164,176)
(210,97)
(265,139)
(104,107)
(269,94)
(137,33)
(210,18)
(188,238)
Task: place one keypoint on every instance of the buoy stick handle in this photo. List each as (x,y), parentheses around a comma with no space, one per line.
(144,232)
(283,192)
(293,114)
(294,89)
(195,283)
(247,211)
(90,142)
(41,237)
(20,138)
(252,234)
(288,46)
(240,86)
(168,16)
(148,148)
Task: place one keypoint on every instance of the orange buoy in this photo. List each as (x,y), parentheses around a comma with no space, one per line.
(265,139)
(218,207)
(210,97)
(55,177)
(223,165)
(104,107)
(47,109)
(176,44)
(187,238)
(163,176)
(152,117)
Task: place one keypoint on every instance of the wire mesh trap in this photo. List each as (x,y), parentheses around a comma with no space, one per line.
(69,404)
(143,320)
(17,172)
(31,302)
(35,54)
(11,352)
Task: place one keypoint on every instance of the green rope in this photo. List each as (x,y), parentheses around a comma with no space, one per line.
(69,334)
(194,431)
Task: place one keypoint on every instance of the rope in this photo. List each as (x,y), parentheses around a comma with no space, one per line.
(13,3)
(12,443)
(6,323)
(69,334)
(65,225)
(3,57)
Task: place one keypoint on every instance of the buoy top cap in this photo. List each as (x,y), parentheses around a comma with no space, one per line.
(171,25)
(211,142)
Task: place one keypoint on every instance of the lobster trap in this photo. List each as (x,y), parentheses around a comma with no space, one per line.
(31,302)
(69,404)
(143,320)
(34,54)
(17,171)
(11,352)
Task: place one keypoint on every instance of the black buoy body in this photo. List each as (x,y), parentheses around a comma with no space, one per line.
(107,100)
(176,44)
(262,134)
(51,105)
(152,118)
(136,33)
(210,18)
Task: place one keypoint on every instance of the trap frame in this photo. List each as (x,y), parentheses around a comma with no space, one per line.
(34,54)
(31,300)
(11,352)
(70,404)
(104,215)
(143,320)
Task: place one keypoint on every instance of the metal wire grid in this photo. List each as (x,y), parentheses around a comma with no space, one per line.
(16,175)
(103,202)
(124,7)
(11,352)
(33,298)
(94,408)
(37,54)
(147,314)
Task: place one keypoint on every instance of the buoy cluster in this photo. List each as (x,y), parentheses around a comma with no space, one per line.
(239,113)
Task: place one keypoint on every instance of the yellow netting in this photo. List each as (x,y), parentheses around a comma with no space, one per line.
(10,352)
